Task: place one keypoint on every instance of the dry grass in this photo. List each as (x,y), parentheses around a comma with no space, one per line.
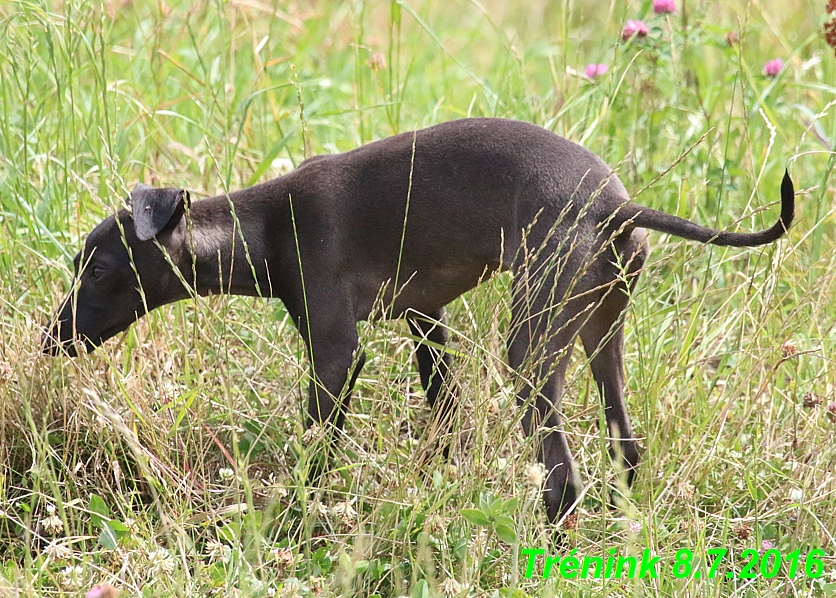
(170,462)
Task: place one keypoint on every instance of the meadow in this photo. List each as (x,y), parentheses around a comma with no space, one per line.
(170,462)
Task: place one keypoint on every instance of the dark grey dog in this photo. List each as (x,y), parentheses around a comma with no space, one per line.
(408,223)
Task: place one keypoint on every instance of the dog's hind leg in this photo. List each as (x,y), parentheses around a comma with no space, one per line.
(603,340)
(434,367)
(543,328)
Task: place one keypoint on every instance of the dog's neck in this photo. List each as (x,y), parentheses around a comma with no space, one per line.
(222,259)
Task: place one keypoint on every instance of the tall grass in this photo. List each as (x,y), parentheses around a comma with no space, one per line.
(166,463)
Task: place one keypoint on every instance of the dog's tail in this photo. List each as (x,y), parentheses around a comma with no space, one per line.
(673,225)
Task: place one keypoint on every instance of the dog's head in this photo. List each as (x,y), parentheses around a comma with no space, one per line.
(120,274)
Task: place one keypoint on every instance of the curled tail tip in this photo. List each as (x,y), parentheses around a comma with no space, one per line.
(787,182)
(787,200)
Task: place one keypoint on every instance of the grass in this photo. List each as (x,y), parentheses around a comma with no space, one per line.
(166,462)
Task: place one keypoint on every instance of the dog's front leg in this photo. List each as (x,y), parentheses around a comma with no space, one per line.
(330,389)
(332,351)
(332,344)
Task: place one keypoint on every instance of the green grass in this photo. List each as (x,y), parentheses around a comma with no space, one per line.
(183,436)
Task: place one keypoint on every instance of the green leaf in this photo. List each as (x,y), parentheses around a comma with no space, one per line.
(253,518)
(485,502)
(271,154)
(107,538)
(228,533)
(99,513)
(119,528)
(322,562)
(497,505)
(510,505)
(505,528)
(244,444)
(321,553)
(185,403)
(420,590)
(505,532)
(475,516)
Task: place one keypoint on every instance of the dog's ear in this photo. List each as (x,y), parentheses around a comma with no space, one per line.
(154,210)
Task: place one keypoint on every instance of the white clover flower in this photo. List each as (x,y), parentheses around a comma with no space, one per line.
(311,433)
(317,584)
(685,491)
(292,588)
(159,563)
(52,525)
(72,577)
(344,511)
(215,549)
(316,508)
(450,587)
(226,474)
(535,474)
(58,552)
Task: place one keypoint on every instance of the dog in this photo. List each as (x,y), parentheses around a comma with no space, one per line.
(400,228)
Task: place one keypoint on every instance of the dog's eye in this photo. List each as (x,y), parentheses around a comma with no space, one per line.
(96,272)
